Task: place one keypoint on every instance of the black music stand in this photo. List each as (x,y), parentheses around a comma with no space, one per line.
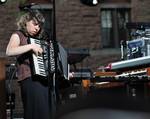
(77,55)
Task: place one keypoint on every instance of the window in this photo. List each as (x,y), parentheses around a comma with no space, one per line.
(106,19)
(46,10)
(48,19)
(113,24)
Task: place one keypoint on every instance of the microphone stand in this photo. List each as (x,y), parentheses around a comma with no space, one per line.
(11,73)
(52,77)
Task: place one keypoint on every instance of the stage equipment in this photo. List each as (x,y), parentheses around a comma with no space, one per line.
(83,73)
(90,2)
(138,48)
(125,65)
(139,42)
(10,75)
(138,25)
(3,1)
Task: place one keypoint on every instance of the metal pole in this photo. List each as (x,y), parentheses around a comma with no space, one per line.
(52,77)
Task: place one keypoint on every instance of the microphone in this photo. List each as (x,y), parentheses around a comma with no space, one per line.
(26,6)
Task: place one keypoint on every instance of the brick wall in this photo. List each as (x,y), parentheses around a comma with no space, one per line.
(8,13)
(140,10)
(77,24)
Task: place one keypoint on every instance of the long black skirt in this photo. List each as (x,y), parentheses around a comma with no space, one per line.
(35,97)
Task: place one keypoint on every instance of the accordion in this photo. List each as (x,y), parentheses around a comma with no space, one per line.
(44,64)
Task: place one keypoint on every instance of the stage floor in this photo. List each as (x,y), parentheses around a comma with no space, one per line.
(122,102)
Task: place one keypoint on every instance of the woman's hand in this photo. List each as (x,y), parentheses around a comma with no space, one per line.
(36,49)
(71,75)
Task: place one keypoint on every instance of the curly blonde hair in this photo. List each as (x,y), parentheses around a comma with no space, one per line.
(28,16)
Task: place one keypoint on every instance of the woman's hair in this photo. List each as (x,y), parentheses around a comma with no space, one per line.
(32,15)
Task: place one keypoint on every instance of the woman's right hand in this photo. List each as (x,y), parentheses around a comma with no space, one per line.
(36,49)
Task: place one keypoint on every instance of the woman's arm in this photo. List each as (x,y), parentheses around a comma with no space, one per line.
(14,48)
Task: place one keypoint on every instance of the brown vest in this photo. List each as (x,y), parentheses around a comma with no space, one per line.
(23,64)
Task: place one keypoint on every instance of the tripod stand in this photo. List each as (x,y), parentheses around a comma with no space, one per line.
(11,71)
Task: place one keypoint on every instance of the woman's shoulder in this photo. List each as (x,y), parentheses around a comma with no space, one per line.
(18,32)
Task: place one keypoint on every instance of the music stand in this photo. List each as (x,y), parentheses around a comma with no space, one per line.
(77,55)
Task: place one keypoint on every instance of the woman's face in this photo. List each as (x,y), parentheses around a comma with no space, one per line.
(33,27)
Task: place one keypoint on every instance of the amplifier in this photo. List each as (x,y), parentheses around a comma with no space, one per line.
(138,48)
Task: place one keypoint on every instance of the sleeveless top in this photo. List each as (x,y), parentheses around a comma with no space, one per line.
(23,63)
